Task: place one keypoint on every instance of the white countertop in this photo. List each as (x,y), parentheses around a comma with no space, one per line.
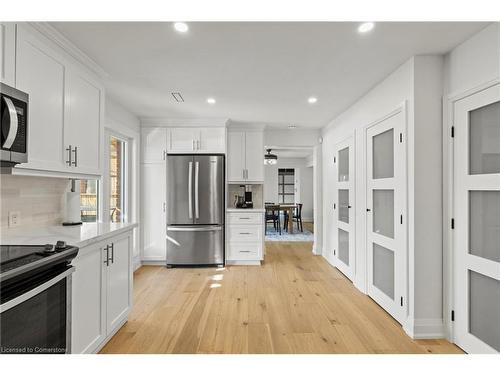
(80,235)
(232,209)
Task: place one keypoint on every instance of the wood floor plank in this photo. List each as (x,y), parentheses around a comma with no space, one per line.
(294,303)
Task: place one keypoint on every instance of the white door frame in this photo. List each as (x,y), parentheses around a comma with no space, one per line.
(459,296)
(348,270)
(448,201)
(400,309)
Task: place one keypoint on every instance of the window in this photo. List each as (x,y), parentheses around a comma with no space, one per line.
(89,200)
(286,185)
(117,180)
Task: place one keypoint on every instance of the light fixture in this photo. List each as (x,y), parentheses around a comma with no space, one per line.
(365,27)
(312,100)
(211,101)
(292,126)
(270,159)
(181,27)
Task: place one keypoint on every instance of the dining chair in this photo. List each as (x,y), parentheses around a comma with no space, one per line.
(273,214)
(297,217)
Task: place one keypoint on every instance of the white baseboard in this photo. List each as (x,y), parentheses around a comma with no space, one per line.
(424,328)
(317,250)
(243,262)
(154,262)
(136,263)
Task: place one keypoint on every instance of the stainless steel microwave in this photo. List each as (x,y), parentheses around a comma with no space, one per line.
(14,132)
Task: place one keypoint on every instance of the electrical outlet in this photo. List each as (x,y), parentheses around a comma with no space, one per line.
(14,218)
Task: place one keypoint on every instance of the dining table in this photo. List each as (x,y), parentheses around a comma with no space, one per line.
(290,209)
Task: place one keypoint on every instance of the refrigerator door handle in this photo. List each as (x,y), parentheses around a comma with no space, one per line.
(196,189)
(210,228)
(190,190)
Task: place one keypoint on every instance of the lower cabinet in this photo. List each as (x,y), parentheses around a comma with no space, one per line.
(101,292)
(245,237)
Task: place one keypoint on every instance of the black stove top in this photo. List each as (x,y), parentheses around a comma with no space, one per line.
(16,260)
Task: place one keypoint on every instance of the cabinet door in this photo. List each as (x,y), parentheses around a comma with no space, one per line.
(213,140)
(88,324)
(154,144)
(8,53)
(183,139)
(41,75)
(119,282)
(153,211)
(235,156)
(254,156)
(82,128)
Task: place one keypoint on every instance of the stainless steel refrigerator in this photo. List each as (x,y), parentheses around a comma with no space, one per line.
(195,210)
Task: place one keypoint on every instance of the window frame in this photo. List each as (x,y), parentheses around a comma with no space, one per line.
(281,186)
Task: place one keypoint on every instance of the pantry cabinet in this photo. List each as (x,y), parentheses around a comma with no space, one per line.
(245,156)
(66,106)
(154,145)
(8,53)
(101,292)
(197,140)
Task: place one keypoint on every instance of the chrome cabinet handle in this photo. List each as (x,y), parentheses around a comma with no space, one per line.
(75,151)
(112,252)
(164,207)
(245,233)
(197,144)
(106,262)
(245,251)
(69,155)
(164,155)
(193,145)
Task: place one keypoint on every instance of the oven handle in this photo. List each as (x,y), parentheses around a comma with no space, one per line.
(13,124)
(33,292)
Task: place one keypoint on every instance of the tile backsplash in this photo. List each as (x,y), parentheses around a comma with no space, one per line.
(39,200)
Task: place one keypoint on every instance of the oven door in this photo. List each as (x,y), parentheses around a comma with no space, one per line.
(38,320)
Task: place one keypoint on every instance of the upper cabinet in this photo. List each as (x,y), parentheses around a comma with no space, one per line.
(8,53)
(197,140)
(245,156)
(154,144)
(66,106)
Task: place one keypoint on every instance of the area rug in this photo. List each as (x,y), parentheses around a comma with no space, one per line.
(273,235)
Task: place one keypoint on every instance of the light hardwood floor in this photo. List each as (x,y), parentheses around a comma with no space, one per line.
(295,303)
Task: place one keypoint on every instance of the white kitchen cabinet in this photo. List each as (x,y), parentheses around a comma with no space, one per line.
(88,322)
(8,53)
(245,237)
(154,144)
(212,140)
(82,123)
(40,74)
(101,292)
(245,156)
(119,282)
(235,156)
(254,156)
(197,140)
(154,231)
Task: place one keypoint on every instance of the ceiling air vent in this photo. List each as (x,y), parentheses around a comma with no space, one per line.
(178,97)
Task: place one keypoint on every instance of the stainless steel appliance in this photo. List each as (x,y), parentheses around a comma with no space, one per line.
(195,216)
(14,132)
(35,298)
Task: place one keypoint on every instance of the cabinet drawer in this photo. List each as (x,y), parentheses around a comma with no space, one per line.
(245,218)
(244,251)
(244,233)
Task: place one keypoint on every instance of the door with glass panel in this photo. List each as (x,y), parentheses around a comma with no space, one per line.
(344,250)
(476,240)
(385,214)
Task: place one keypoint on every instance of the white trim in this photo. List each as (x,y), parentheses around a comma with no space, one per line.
(67,46)
(136,262)
(453,97)
(153,262)
(424,328)
(183,122)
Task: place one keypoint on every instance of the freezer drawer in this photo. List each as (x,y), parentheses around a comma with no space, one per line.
(195,245)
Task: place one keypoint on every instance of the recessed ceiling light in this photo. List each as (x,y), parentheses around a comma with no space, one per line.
(181,27)
(365,27)
(211,101)
(312,100)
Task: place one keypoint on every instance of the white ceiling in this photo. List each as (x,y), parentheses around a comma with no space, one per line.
(257,72)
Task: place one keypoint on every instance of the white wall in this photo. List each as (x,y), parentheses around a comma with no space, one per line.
(304,184)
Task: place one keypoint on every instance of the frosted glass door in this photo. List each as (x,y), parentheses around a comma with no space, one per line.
(343,233)
(476,237)
(385,213)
